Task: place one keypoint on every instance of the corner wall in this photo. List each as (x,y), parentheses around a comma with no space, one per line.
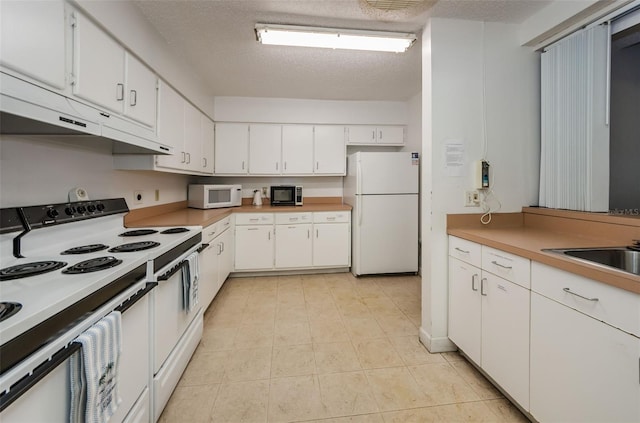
(455,52)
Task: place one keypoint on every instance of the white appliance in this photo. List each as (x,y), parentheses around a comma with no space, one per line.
(214,196)
(382,188)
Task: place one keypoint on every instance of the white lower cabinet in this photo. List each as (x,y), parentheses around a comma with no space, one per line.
(582,368)
(216,259)
(297,241)
(489,319)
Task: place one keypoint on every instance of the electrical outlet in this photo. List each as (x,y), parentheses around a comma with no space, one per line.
(471,198)
(137,197)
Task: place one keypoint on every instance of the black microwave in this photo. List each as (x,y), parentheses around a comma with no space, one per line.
(286,195)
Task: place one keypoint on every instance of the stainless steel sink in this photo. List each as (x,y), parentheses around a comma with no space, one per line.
(621,258)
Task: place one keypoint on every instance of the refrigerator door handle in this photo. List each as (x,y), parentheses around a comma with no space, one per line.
(359,191)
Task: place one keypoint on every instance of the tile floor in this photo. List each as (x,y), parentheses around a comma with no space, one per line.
(330,348)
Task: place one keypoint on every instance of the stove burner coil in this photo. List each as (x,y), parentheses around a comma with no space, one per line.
(8,309)
(174,231)
(30,269)
(134,246)
(92,248)
(92,265)
(139,232)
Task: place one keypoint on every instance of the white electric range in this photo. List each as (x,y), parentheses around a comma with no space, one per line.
(62,268)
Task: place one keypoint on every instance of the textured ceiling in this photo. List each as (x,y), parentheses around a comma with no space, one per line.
(217,39)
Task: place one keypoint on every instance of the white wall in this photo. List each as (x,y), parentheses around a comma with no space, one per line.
(454,55)
(38,170)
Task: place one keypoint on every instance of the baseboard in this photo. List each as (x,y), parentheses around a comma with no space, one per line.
(436,345)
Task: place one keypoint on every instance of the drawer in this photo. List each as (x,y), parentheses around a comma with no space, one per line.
(215,229)
(254,219)
(464,250)
(332,217)
(288,218)
(506,265)
(614,306)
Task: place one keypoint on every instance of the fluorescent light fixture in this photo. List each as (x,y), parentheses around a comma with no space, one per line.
(349,39)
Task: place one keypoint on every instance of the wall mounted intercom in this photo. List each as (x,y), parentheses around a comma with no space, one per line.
(482,175)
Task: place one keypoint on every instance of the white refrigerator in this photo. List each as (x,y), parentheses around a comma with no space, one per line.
(382,188)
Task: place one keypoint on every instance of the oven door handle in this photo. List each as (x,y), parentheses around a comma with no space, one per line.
(175,269)
(26,383)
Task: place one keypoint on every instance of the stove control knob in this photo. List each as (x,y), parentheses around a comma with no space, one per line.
(81,209)
(91,208)
(100,206)
(52,213)
(70,211)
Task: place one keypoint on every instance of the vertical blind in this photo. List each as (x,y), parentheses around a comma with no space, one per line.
(574,160)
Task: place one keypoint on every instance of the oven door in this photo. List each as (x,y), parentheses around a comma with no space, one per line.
(44,396)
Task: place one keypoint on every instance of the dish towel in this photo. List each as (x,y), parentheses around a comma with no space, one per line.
(94,371)
(190,277)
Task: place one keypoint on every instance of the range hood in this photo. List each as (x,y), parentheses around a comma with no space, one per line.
(28,109)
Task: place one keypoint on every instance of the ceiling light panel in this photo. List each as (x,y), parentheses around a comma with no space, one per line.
(349,39)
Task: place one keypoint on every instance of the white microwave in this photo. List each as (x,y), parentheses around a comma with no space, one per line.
(214,196)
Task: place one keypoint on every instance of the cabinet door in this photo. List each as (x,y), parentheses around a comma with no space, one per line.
(293,246)
(209,284)
(171,127)
(361,134)
(192,138)
(141,92)
(297,149)
(329,150)
(582,370)
(505,335)
(231,148)
(98,66)
(32,40)
(465,308)
(226,256)
(254,247)
(264,149)
(390,135)
(207,140)
(332,244)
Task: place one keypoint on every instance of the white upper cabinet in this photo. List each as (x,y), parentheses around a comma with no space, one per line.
(207,141)
(297,149)
(264,149)
(141,92)
(105,74)
(192,138)
(171,126)
(232,148)
(375,135)
(32,40)
(329,150)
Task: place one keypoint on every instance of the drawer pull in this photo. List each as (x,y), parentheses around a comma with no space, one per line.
(473,282)
(567,290)
(462,251)
(501,265)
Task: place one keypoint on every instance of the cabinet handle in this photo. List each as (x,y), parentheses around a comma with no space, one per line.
(501,265)
(269,235)
(223,247)
(308,234)
(184,157)
(568,291)
(212,233)
(220,249)
(373,135)
(204,162)
(293,219)
(331,218)
(473,282)
(380,132)
(243,165)
(285,166)
(253,219)
(133,97)
(482,286)
(317,164)
(252,229)
(462,251)
(119,92)
(316,233)
(188,158)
